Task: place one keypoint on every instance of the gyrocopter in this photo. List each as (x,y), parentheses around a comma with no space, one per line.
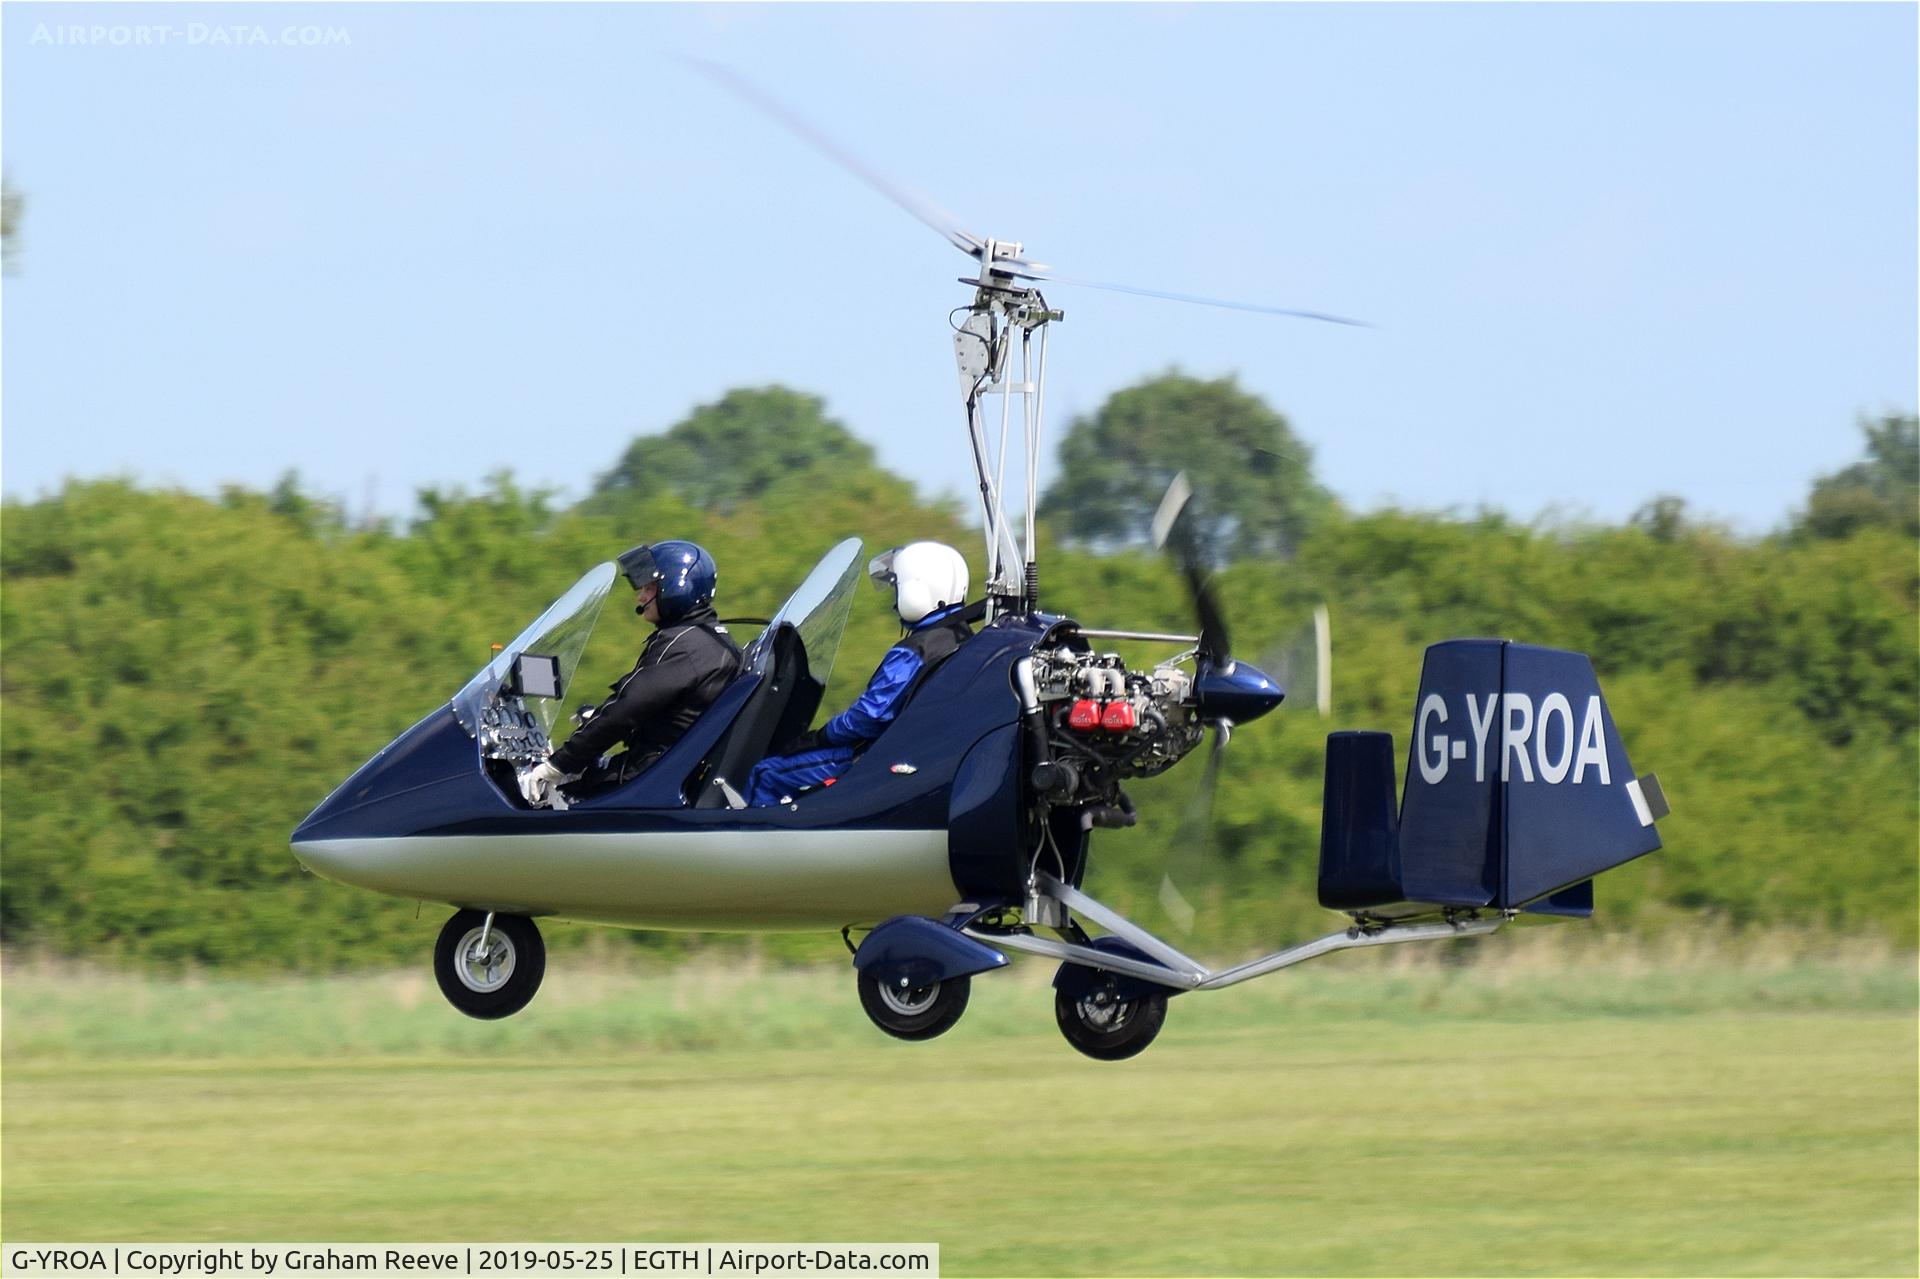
(965,831)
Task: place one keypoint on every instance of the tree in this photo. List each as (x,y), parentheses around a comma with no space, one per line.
(1881,491)
(733,451)
(1664,519)
(1254,491)
(12,205)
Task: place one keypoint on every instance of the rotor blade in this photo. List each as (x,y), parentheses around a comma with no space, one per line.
(1302,662)
(1040,271)
(1178,494)
(1173,529)
(1193,845)
(920,207)
(1176,532)
(1213,623)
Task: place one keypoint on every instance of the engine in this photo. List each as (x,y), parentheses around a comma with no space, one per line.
(1099,723)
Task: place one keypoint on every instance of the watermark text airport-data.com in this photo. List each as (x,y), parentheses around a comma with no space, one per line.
(477,1261)
(203,35)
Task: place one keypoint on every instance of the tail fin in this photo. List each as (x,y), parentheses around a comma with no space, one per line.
(1518,792)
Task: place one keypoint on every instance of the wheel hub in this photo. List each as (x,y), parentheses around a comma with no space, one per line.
(484,971)
(1103,1012)
(909,1001)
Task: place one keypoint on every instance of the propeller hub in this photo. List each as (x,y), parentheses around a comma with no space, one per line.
(1234,690)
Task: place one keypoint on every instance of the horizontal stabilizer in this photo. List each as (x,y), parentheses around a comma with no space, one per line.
(1518,792)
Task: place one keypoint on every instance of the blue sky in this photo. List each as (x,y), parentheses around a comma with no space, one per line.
(1613,251)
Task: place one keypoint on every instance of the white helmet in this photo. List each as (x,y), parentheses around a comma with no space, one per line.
(925,577)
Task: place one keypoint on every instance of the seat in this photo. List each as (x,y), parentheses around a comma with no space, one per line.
(781,707)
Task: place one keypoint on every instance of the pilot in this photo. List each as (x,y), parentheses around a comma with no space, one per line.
(929,585)
(683,667)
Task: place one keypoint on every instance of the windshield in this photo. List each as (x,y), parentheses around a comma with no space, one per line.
(560,632)
(817,610)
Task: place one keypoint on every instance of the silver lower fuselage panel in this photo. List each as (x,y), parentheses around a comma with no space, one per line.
(714,880)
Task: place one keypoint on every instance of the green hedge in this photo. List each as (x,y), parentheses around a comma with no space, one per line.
(185,678)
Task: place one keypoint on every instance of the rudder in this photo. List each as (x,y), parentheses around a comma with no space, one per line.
(1518,792)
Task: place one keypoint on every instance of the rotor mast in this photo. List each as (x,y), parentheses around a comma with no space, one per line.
(1006,314)
(1007,311)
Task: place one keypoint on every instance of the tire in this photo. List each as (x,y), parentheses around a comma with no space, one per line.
(919,1012)
(505,982)
(1106,1027)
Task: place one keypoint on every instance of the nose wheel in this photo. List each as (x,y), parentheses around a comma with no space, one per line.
(913,1012)
(1106,1027)
(489,966)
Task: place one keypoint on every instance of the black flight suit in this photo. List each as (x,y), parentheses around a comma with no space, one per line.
(681,670)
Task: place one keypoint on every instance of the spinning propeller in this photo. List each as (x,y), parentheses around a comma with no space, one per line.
(1000,260)
(1302,660)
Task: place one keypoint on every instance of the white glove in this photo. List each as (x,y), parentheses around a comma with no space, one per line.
(540,785)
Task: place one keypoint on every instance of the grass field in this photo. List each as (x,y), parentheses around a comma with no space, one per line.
(1617,1115)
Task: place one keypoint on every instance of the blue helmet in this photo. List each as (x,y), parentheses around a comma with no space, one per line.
(685,571)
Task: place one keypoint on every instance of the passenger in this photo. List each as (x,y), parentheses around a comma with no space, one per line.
(682,668)
(929,584)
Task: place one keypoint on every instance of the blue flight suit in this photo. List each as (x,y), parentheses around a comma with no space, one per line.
(826,752)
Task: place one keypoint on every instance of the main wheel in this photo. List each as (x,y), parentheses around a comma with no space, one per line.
(1106,1027)
(497,981)
(913,1012)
